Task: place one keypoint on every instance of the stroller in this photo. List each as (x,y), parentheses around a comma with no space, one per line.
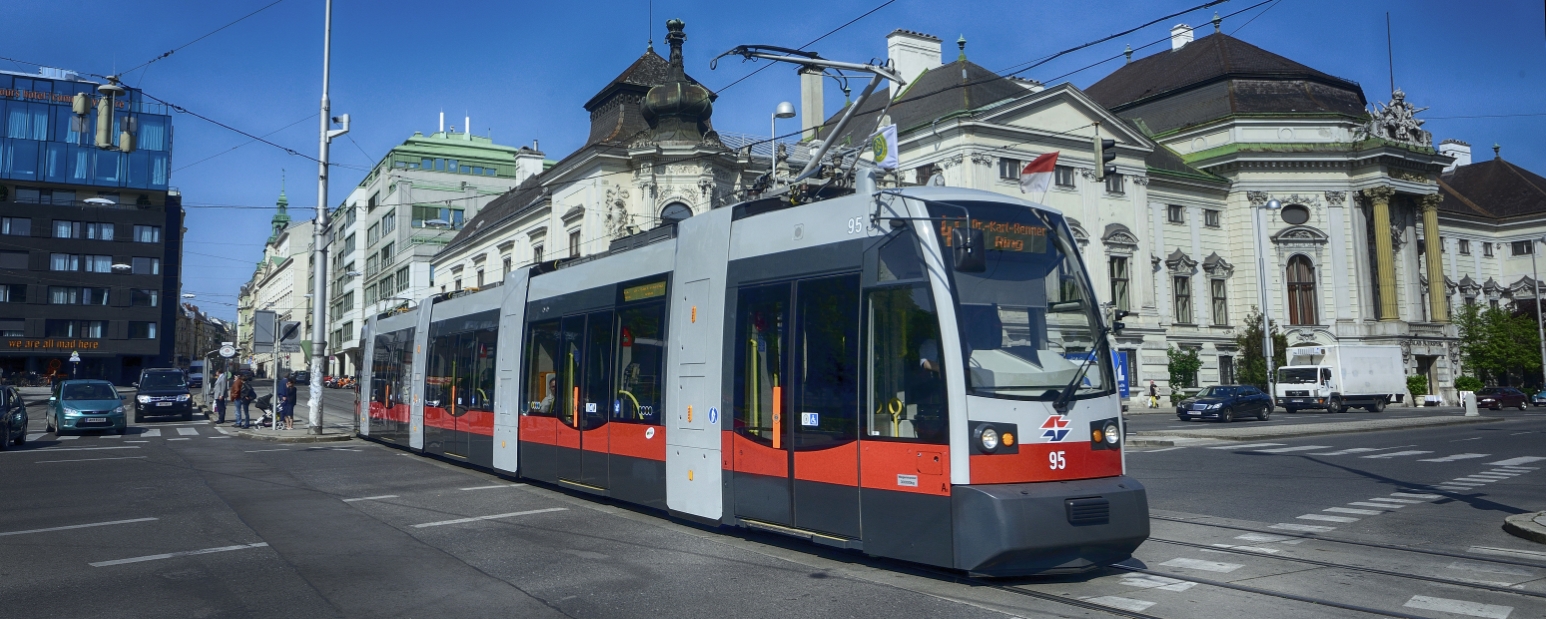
(265,404)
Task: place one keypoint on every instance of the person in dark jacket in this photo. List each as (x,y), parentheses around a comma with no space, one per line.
(287,403)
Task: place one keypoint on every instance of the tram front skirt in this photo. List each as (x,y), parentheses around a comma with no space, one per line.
(1057,527)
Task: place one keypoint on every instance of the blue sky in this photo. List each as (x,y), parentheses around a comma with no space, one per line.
(522,70)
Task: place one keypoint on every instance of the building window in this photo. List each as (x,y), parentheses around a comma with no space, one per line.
(1115,184)
(16,226)
(1175,214)
(387,252)
(1465,247)
(349,244)
(99,232)
(13,259)
(71,295)
(402,279)
(372,234)
(67,229)
(13,328)
(507,265)
(64,262)
(536,253)
(146,266)
(1210,218)
(145,297)
(142,330)
(1486,250)
(437,217)
(1220,302)
(1183,296)
(480,278)
(348,330)
(1523,248)
(1119,283)
(1226,370)
(1063,176)
(97,264)
(574,244)
(74,328)
(1441,245)
(13,293)
(458,284)
(388,222)
(1009,169)
(1301,291)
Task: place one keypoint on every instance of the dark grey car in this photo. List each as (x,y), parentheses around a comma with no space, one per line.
(1225,403)
(13,418)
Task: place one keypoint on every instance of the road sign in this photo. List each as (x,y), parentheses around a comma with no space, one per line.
(290,337)
(75,357)
(262,331)
(228,351)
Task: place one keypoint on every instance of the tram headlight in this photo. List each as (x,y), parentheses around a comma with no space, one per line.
(1105,434)
(988,439)
(1113,434)
(994,438)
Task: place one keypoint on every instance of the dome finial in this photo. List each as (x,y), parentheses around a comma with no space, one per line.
(1216,21)
(961,43)
(1128,53)
(678,109)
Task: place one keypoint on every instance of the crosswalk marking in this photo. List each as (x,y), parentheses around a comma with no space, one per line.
(1262,537)
(65,438)
(1127,604)
(1397,454)
(1270,551)
(1308,528)
(1327,518)
(1481,480)
(1355,450)
(1350,510)
(1410,495)
(1206,566)
(1455,457)
(1251,446)
(1282,450)
(35,436)
(151,433)
(1514,461)
(1150,581)
(1459,607)
(188,431)
(1385,500)
(1379,505)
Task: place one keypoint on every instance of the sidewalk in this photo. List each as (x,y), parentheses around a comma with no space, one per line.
(336,426)
(1200,436)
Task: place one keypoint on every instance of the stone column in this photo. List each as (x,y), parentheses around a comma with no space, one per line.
(1438,305)
(1384,251)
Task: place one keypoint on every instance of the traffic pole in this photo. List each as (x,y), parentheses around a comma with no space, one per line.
(319,236)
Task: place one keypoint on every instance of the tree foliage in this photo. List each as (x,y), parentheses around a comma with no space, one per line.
(1497,344)
(1252,367)
(1468,383)
(1183,365)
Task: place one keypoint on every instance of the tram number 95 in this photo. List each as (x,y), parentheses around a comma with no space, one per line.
(1057,461)
(856,225)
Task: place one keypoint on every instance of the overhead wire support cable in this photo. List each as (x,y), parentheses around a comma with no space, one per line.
(812,42)
(201,38)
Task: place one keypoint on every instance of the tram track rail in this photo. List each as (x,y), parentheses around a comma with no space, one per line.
(1270,593)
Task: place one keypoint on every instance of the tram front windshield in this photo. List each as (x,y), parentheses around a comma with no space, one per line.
(1026,323)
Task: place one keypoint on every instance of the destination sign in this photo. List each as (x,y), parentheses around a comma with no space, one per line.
(644,291)
(1002,235)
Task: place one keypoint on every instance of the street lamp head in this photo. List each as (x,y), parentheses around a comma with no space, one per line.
(437,223)
(785,110)
(189,295)
(1273,205)
(352,274)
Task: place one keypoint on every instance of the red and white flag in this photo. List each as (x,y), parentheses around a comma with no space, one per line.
(1037,175)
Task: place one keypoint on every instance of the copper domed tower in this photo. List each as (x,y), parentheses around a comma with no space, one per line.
(678,110)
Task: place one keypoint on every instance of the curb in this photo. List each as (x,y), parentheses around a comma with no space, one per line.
(1318,430)
(1142,442)
(1527,526)
(308,438)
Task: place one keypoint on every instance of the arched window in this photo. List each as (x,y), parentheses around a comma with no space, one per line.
(674,212)
(1301,291)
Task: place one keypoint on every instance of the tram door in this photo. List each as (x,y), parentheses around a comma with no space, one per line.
(796,404)
(584,381)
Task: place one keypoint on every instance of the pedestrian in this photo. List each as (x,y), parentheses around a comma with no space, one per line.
(238,395)
(1153,394)
(221,391)
(287,403)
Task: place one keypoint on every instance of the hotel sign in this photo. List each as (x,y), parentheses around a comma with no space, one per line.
(52,344)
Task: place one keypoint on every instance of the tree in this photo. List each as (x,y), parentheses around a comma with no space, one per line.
(1183,366)
(1495,344)
(1252,367)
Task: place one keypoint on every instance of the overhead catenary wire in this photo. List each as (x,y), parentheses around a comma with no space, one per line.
(201,38)
(227,151)
(812,42)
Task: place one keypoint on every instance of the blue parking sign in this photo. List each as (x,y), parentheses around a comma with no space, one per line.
(1118,359)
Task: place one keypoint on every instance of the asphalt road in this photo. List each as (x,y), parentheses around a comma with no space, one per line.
(177,519)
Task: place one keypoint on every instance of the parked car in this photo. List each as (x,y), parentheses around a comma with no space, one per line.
(86,404)
(302,377)
(13,418)
(1498,397)
(1225,403)
(162,391)
(1539,399)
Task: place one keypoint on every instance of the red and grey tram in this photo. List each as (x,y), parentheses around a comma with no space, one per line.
(917,373)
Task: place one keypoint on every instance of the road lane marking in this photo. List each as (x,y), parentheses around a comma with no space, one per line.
(1508,552)
(179,439)
(1459,607)
(1398,454)
(1473,480)
(493,487)
(1474,438)
(1284,450)
(1492,569)
(1252,445)
(218,437)
(1410,495)
(1127,604)
(1355,450)
(77,526)
(184,553)
(1263,537)
(1206,566)
(65,438)
(371,498)
(136,441)
(1149,451)
(1270,551)
(54,449)
(1150,581)
(1402,501)
(253,451)
(1379,505)
(477,518)
(188,431)
(1327,518)
(111,436)
(35,436)
(1455,457)
(151,433)
(92,459)
(1349,510)
(1515,461)
(1309,528)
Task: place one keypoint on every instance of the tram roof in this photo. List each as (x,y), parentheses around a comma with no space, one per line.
(950,194)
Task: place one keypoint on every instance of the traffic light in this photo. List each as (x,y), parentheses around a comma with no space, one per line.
(1105,154)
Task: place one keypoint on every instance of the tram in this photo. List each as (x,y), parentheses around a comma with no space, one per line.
(918,373)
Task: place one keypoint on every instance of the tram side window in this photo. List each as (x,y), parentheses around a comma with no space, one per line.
(640,363)
(596,384)
(477,366)
(760,340)
(437,370)
(827,362)
(542,368)
(907,381)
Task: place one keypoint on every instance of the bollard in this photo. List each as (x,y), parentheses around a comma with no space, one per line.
(1468,403)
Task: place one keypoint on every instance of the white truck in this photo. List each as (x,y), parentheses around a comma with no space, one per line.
(1336,378)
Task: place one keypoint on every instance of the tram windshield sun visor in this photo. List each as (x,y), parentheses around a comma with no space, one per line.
(1026,324)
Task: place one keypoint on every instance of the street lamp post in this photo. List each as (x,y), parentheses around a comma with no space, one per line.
(1261,289)
(785,109)
(320,231)
(1540,326)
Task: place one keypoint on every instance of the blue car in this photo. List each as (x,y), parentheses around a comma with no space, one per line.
(1226,403)
(79,405)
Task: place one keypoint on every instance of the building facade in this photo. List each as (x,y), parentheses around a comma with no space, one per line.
(90,238)
(281,283)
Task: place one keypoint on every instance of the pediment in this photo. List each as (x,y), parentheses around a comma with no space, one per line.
(1180,263)
(1300,235)
(1217,266)
(1118,234)
(1066,110)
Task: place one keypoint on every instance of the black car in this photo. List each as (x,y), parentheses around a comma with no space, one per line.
(13,418)
(1225,403)
(163,392)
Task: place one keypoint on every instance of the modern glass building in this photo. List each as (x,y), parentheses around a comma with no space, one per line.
(90,238)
